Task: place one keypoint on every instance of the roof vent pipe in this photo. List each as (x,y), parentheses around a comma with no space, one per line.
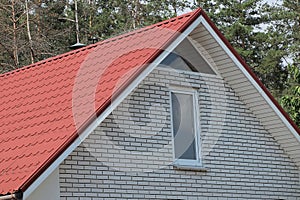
(15,196)
(78,44)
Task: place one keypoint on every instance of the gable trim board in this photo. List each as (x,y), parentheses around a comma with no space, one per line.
(261,89)
(119,98)
(196,19)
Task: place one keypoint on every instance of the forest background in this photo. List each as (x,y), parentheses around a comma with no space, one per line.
(265,33)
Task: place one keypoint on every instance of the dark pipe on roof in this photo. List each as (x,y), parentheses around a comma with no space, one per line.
(14,196)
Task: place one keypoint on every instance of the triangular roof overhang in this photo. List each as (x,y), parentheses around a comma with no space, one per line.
(47,105)
(233,69)
(147,68)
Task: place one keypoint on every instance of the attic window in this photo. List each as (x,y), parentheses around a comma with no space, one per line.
(184,118)
(177,62)
(187,57)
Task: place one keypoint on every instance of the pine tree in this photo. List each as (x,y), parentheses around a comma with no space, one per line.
(11,38)
(291,100)
(52,28)
(104,19)
(293,22)
(288,23)
(32,30)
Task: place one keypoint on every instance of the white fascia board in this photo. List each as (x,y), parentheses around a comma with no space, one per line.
(250,78)
(111,107)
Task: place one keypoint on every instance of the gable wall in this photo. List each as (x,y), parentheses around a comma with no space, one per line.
(48,189)
(255,98)
(129,156)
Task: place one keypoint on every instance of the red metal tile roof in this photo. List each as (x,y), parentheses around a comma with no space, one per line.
(43,107)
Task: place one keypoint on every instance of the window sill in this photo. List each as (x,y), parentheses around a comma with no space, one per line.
(190,168)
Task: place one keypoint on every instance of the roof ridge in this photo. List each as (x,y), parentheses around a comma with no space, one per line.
(106,41)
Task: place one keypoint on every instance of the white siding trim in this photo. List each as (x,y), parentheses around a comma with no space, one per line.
(250,78)
(189,72)
(113,105)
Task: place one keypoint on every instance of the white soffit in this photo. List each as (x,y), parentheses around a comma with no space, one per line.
(246,87)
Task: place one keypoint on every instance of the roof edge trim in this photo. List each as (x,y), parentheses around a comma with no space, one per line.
(250,74)
(76,139)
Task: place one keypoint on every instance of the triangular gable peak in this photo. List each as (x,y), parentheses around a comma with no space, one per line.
(193,31)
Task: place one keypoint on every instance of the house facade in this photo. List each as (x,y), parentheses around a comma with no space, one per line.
(130,155)
(166,112)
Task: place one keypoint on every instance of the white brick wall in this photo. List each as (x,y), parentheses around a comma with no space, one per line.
(129,156)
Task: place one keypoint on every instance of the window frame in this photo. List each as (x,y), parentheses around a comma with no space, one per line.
(198,160)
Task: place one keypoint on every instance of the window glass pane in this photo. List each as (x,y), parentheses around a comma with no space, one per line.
(186,57)
(186,50)
(176,62)
(183,126)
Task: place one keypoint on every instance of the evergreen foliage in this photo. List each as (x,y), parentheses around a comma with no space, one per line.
(291,100)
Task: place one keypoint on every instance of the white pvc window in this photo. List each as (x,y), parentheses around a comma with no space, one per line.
(184,117)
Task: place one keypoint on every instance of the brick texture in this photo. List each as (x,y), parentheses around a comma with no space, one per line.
(129,156)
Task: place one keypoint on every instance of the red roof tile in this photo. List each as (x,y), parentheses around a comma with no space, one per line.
(43,107)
